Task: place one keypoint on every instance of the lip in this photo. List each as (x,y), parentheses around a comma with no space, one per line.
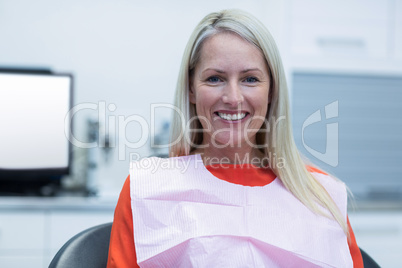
(231,111)
(217,117)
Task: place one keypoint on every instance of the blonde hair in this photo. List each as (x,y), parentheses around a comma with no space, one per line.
(278,141)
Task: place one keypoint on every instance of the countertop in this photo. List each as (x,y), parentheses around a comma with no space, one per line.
(109,203)
(57,203)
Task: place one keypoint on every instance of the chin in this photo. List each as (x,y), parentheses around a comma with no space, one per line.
(228,141)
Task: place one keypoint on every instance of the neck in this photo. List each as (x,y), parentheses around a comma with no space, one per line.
(212,155)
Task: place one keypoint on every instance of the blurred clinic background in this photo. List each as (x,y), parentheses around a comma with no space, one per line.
(86,86)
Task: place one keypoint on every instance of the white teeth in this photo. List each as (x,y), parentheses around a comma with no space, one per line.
(232,117)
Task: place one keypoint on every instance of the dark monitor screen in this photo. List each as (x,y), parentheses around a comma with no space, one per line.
(33,135)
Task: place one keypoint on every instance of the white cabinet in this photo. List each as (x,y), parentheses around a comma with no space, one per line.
(379,233)
(33,230)
(356,39)
(398,29)
(22,261)
(340,35)
(333,28)
(22,239)
(22,230)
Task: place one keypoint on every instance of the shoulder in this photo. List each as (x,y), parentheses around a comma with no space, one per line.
(326,179)
(124,199)
(335,187)
(312,169)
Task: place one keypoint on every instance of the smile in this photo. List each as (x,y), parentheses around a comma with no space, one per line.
(232,117)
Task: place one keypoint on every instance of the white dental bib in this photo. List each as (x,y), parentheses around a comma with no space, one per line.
(183,216)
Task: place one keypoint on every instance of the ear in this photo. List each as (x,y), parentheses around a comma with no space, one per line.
(191,93)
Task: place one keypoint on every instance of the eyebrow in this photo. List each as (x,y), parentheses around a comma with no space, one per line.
(250,70)
(212,69)
(220,71)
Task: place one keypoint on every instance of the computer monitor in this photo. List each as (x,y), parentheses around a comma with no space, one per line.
(34,145)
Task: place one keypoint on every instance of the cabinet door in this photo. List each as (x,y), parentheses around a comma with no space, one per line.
(22,261)
(380,235)
(21,230)
(22,238)
(340,29)
(398,30)
(357,40)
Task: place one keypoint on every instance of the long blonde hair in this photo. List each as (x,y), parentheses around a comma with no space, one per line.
(278,140)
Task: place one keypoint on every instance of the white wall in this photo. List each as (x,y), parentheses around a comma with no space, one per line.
(125,53)
(128,53)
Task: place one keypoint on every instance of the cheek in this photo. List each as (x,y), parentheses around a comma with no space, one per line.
(202,111)
(205,101)
(260,103)
(260,107)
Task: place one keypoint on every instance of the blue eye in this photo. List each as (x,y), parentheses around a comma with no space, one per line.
(213,79)
(251,79)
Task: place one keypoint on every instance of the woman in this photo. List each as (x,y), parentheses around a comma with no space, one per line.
(235,192)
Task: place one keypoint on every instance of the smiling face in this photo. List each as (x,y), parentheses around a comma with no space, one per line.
(230,89)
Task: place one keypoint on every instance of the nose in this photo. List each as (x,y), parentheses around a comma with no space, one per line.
(232,94)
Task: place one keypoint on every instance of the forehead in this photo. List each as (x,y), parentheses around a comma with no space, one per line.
(230,49)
